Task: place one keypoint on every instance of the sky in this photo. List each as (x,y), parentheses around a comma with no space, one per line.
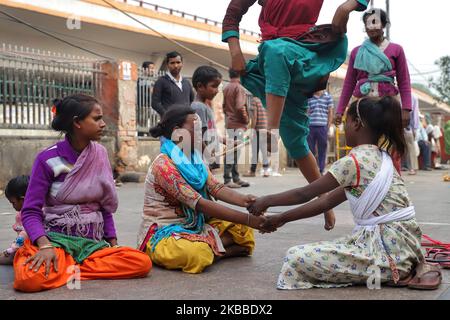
(421,28)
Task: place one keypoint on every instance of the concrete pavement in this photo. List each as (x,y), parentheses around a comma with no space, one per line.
(249,277)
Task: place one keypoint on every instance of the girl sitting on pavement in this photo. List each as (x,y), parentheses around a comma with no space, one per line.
(182,227)
(69,206)
(386,235)
(15,193)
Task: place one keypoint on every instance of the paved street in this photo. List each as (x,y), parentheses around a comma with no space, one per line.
(254,277)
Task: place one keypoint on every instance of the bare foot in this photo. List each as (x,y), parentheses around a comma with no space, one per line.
(236,251)
(233,251)
(330,220)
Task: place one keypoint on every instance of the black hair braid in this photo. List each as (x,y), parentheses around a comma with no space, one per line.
(384,117)
(392,128)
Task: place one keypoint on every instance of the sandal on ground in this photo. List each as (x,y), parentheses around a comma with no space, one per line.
(428,277)
(439,256)
(401,283)
(249,174)
(242,183)
(232,185)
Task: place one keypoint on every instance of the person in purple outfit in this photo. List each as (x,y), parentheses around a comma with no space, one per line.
(69,206)
(377,68)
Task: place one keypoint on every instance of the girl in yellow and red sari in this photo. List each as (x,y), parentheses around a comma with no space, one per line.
(182,228)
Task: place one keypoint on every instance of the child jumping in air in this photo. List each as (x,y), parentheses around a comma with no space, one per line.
(290,66)
(15,193)
(386,236)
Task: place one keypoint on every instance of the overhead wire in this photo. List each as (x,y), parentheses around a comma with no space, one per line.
(52,35)
(167,38)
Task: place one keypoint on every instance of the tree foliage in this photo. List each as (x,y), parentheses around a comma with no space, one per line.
(442,83)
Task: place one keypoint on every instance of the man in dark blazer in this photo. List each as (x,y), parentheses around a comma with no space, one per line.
(172,88)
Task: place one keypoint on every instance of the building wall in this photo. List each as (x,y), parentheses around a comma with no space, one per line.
(110,33)
(20,147)
(148,149)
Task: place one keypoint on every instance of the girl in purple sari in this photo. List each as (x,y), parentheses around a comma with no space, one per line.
(69,206)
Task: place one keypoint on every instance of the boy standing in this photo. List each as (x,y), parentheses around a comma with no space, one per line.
(206,81)
(236,120)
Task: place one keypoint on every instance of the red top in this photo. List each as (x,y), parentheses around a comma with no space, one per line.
(278,18)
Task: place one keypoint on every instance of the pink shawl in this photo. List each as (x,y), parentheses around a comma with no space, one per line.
(87,189)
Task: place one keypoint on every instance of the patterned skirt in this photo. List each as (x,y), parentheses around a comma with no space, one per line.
(354,259)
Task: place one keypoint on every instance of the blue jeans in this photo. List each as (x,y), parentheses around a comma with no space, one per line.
(318,136)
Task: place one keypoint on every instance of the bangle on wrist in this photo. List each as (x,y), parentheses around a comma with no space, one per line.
(46,246)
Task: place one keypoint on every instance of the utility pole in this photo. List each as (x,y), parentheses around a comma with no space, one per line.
(388,27)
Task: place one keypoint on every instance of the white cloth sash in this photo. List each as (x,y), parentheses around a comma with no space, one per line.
(371,198)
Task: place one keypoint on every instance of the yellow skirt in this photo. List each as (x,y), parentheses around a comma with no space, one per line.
(195,256)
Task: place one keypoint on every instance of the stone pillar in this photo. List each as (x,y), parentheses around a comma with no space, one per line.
(127,155)
(118,97)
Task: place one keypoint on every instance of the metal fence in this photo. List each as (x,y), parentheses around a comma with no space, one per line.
(146,116)
(30,80)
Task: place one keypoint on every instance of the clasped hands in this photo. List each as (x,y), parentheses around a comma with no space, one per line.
(257,206)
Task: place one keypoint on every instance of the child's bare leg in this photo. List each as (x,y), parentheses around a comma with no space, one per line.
(275,106)
(6,260)
(232,249)
(309,169)
(227,239)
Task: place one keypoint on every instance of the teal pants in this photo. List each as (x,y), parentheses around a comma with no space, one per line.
(289,68)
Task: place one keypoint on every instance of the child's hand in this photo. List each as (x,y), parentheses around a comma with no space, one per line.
(330,220)
(340,19)
(272,223)
(338,119)
(259,206)
(112,242)
(248,199)
(260,224)
(405,118)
